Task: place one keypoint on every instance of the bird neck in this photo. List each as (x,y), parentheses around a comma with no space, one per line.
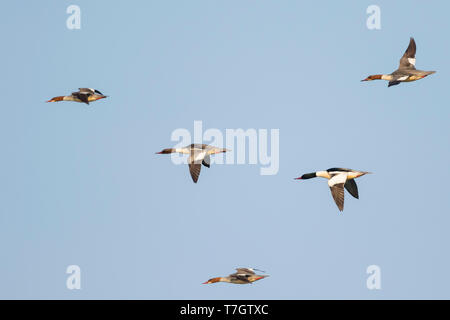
(56,99)
(380,77)
(219,279)
(181,150)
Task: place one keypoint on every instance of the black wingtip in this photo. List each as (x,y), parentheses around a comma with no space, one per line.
(206,164)
(393,83)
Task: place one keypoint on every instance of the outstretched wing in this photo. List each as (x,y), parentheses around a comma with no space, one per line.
(195,163)
(352,188)
(86,90)
(194,169)
(408,60)
(336,184)
(245,271)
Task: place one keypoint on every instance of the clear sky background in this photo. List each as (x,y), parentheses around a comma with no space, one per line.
(82,184)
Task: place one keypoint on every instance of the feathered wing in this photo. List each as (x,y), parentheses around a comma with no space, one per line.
(245,271)
(194,169)
(242,274)
(393,83)
(195,163)
(207,161)
(242,277)
(336,184)
(84,97)
(408,60)
(86,90)
(337,191)
(352,188)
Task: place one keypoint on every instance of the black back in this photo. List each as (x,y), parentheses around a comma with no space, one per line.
(339,169)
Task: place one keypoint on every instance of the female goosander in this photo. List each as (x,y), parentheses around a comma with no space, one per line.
(85,95)
(242,276)
(338,179)
(198,154)
(406,71)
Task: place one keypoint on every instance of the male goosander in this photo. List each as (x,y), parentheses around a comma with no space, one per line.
(198,154)
(406,71)
(85,95)
(241,276)
(338,179)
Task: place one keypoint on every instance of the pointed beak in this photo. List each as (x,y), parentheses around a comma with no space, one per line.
(158,152)
(299,178)
(366,79)
(102,97)
(207,282)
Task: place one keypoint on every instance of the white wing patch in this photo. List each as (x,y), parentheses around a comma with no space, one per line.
(412,61)
(402,78)
(339,178)
(199,156)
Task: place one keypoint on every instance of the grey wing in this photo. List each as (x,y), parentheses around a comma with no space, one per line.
(352,188)
(245,271)
(337,191)
(408,59)
(86,90)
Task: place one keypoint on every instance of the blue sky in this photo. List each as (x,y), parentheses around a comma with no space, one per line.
(81,185)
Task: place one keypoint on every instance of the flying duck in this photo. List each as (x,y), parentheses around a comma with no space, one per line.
(85,95)
(241,276)
(198,154)
(338,179)
(406,71)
